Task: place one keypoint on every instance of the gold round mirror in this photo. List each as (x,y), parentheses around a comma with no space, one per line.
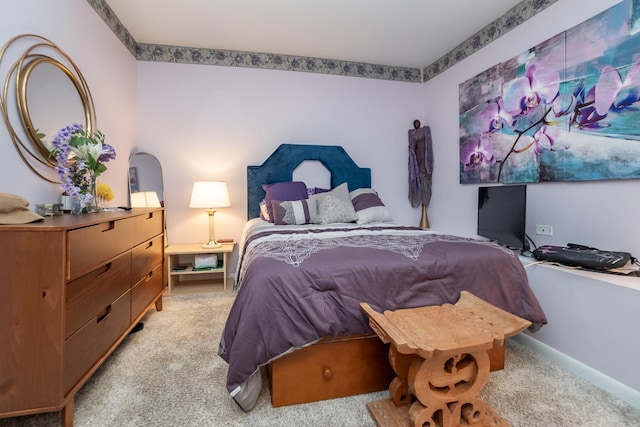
(43,83)
(50,93)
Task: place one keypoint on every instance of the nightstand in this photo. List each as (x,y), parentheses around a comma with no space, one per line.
(184,255)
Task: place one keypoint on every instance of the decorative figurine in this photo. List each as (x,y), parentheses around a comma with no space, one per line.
(420,169)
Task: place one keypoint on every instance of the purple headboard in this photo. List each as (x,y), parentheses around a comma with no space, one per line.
(286,158)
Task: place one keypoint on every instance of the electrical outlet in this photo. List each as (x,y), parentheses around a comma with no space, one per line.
(544,230)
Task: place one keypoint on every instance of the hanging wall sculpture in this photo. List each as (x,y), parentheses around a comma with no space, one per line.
(567,109)
(420,169)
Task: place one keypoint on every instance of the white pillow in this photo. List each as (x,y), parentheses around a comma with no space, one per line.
(369,207)
(264,212)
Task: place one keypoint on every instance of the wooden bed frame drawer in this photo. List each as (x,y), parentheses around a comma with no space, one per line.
(88,295)
(92,246)
(85,348)
(145,258)
(147,226)
(146,290)
(329,369)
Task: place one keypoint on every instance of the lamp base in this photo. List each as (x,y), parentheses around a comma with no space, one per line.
(211,245)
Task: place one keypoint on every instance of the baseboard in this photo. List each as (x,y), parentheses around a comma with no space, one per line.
(595,377)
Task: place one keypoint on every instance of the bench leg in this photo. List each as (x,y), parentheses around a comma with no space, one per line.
(441,391)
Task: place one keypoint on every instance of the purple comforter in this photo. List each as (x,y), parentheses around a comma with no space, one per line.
(298,284)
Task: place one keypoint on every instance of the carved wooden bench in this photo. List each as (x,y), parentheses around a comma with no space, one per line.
(439,354)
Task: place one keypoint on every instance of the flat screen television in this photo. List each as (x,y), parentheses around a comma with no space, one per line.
(502,215)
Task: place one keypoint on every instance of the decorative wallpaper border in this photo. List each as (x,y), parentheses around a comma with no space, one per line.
(233,58)
(105,12)
(507,22)
(271,61)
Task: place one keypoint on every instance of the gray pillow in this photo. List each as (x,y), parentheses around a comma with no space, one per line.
(332,210)
(341,192)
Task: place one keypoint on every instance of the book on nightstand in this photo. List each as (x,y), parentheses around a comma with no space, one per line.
(202,268)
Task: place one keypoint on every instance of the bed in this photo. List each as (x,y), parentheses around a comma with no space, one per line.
(300,279)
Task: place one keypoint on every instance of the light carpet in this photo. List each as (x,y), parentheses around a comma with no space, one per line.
(169,374)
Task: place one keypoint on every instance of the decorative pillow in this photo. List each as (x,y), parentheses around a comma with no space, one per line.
(369,207)
(332,210)
(283,191)
(264,213)
(341,192)
(318,190)
(294,212)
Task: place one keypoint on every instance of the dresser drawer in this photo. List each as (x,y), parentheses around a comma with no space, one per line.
(146,290)
(147,226)
(87,296)
(89,247)
(84,348)
(145,258)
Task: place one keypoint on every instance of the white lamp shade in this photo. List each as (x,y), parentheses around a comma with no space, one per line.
(210,194)
(145,199)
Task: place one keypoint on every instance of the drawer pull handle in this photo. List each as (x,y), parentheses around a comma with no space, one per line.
(327,374)
(150,215)
(107,311)
(150,244)
(107,268)
(111,226)
(149,276)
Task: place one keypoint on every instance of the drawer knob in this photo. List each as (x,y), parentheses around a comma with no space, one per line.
(327,374)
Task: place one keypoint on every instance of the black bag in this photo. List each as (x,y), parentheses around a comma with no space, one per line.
(582,256)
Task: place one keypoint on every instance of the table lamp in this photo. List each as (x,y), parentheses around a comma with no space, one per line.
(210,195)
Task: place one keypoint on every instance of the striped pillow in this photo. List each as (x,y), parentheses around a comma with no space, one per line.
(369,207)
(294,212)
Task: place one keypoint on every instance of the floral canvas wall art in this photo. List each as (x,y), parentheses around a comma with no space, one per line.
(567,109)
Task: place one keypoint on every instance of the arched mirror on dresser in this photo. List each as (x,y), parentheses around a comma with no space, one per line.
(146,185)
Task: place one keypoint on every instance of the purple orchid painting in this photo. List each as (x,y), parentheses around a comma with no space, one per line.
(565,110)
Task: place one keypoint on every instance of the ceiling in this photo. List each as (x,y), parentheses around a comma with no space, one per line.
(402,33)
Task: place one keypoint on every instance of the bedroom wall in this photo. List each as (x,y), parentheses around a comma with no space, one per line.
(110,71)
(210,123)
(591,316)
(244,113)
(600,214)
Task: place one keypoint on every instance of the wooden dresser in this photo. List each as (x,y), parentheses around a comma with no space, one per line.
(71,289)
